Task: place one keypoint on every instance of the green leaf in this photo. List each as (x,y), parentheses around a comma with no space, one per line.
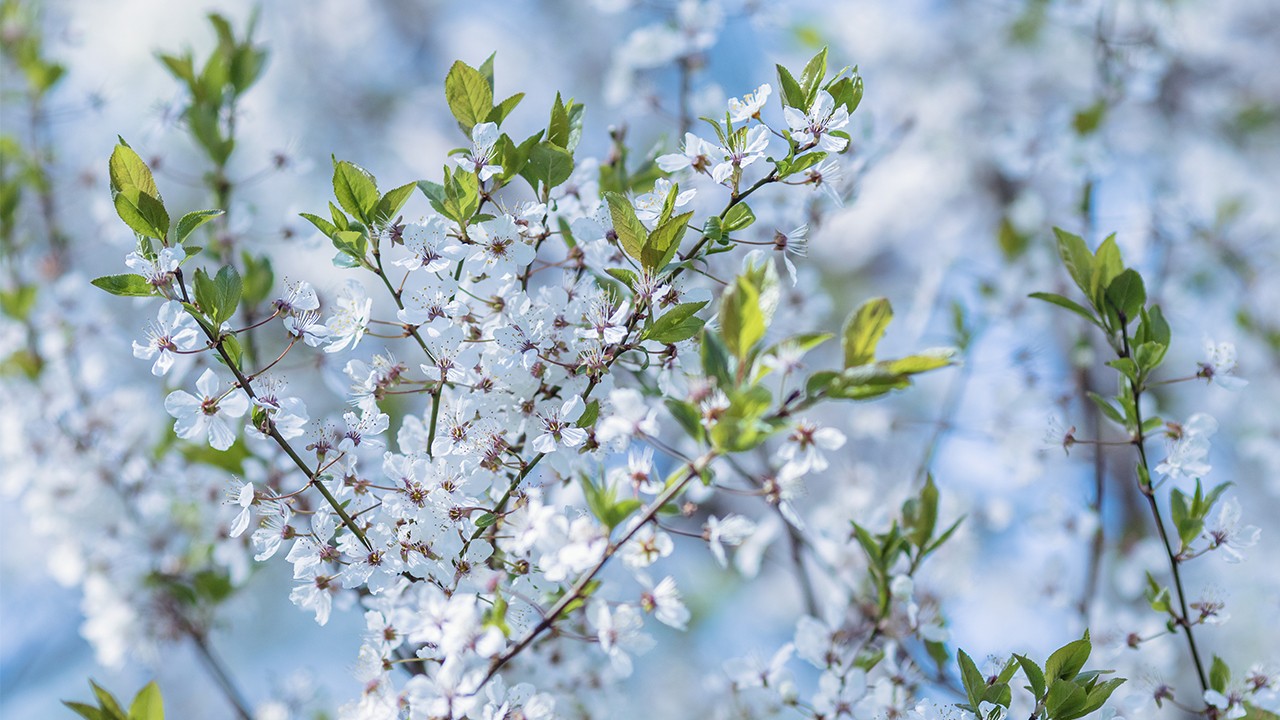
(625,276)
(127,170)
(469,94)
(1095,698)
(1127,367)
(590,414)
(1219,675)
(787,168)
(1107,408)
(677,325)
(351,244)
(513,158)
(1126,294)
(812,76)
(1064,698)
(1158,327)
(1071,305)
(742,322)
(632,234)
(229,287)
(1157,596)
(792,94)
(1107,264)
(193,220)
(17,303)
(503,109)
(144,214)
(127,285)
(919,363)
(847,91)
(1034,674)
(485,520)
(1077,259)
(1065,662)
(355,189)
(87,711)
(548,166)
(863,330)
(147,705)
(258,278)
(975,686)
(106,700)
(739,217)
(340,220)
(920,515)
(688,417)
(1088,120)
(945,536)
(324,226)
(389,205)
(559,127)
(663,242)
(715,359)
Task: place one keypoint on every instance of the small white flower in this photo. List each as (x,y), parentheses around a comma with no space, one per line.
(646,546)
(604,322)
(663,600)
(619,634)
(826,176)
(731,530)
(172,330)
(158,272)
(207,414)
(1220,366)
(697,155)
(559,428)
(500,247)
(631,417)
(346,326)
(1225,531)
(307,326)
(1233,704)
(815,127)
(244,498)
(288,415)
(805,445)
(649,205)
(432,248)
(298,297)
(750,105)
(741,154)
(1189,448)
(483,138)
(794,243)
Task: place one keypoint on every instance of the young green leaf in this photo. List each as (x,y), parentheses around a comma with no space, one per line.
(742,322)
(469,94)
(1077,258)
(632,234)
(863,330)
(355,189)
(663,242)
(147,704)
(192,220)
(128,285)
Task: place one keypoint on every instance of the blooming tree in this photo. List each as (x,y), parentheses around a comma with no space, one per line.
(543,406)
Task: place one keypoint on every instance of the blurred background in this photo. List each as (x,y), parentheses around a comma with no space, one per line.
(984,124)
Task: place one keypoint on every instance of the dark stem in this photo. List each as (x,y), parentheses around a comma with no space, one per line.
(1145,487)
(220,674)
(1098,542)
